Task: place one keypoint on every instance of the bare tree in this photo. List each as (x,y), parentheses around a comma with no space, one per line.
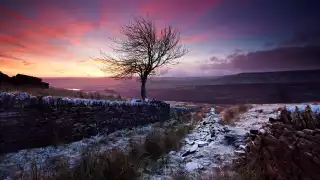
(143,51)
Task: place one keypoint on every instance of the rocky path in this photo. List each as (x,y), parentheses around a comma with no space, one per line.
(214,145)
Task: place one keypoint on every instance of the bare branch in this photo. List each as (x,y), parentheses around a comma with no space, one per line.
(143,50)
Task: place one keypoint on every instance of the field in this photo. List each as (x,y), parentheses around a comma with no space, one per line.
(212,90)
(239,93)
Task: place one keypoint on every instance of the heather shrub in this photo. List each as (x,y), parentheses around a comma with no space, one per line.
(107,165)
(180,175)
(230,115)
(154,144)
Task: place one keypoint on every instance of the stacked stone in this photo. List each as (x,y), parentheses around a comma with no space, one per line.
(29,121)
(287,148)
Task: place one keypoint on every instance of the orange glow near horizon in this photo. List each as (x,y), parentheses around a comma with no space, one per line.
(46,39)
(59,38)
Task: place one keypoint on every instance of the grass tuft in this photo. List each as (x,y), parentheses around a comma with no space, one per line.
(180,175)
(230,115)
(154,145)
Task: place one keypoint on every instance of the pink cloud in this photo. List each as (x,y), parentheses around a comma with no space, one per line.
(24,36)
(182,14)
(210,35)
(223,32)
(187,11)
(27,63)
(196,38)
(53,32)
(54,23)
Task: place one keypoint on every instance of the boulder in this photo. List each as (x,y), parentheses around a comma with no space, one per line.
(272,120)
(191,150)
(188,141)
(212,133)
(254,131)
(191,166)
(226,129)
(231,138)
(202,143)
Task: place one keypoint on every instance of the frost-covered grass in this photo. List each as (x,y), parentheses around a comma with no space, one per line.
(119,155)
(114,163)
(72,153)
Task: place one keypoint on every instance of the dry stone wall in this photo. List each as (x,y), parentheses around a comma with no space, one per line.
(29,122)
(286,148)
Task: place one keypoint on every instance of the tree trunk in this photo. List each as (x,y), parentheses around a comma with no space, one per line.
(143,89)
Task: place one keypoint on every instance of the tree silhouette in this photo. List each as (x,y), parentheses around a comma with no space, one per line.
(143,51)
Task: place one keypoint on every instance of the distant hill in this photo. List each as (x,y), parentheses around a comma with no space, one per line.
(22,80)
(271,77)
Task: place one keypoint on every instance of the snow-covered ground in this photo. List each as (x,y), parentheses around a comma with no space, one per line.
(315,108)
(212,144)
(209,145)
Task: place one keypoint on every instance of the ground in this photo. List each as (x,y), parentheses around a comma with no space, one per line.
(210,144)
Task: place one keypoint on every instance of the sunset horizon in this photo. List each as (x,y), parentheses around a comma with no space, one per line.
(61,38)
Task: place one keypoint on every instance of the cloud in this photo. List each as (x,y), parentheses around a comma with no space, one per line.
(285,58)
(66,33)
(40,40)
(10,40)
(54,26)
(298,38)
(187,11)
(303,38)
(60,71)
(27,63)
(83,61)
(51,23)
(4,56)
(195,38)
(9,63)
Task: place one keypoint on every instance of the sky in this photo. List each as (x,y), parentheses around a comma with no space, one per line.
(60,38)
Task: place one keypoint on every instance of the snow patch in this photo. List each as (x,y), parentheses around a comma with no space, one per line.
(301,107)
(191,166)
(212,110)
